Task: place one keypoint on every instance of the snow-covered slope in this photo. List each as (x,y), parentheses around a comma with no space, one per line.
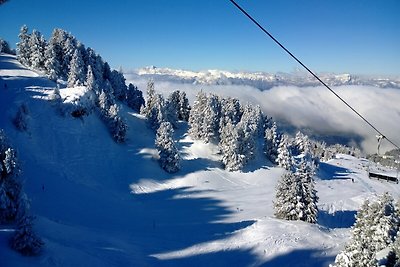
(99,203)
(260,80)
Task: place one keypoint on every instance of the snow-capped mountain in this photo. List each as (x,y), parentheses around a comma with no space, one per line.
(261,80)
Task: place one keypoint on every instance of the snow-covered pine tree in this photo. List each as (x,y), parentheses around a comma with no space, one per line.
(169,155)
(24,239)
(230,147)
(23,49)
(285,159)
(51,63)
(5,47)
(10,186)
(184,107)
(376,227)
(196,117)
(156,113)
(306,191)
(231,110)
(76,75)
(149,98)
(211,117)
(172,109)
(271,141)
(91,82)
(68,50)
(286,201)
(134,98)
(117,81)
(37,46)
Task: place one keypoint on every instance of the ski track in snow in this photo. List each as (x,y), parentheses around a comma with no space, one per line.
(104,204)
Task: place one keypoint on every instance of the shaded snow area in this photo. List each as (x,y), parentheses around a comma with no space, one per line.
(99,203)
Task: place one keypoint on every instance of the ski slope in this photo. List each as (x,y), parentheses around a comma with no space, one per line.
(99,203)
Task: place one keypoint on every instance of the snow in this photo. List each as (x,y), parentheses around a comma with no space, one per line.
(99,203)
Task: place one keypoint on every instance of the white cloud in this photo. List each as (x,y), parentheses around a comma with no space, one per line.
(314,108)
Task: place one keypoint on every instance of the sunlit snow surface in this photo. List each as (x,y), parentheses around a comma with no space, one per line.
(99,203)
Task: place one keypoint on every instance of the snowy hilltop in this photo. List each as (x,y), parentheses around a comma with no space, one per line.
(115,178)
(261,80)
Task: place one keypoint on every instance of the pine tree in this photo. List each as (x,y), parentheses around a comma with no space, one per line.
(232,155)
(37,46)
(271,142)
(149,98)
(211,117)
(285,159)
(134,98)
(169,155)
(25,240)
(51,63)
(23,49)
(306,192)
(68,49)
(91,82)
(156,113)
(184,107)
(196,117)
(76,75)
(286,199)
(231,110)
(376,227)
(10,186)
(118,83)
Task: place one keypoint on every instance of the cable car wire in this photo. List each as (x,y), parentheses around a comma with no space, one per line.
(312,73)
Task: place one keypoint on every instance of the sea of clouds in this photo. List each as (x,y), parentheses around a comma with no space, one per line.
(313,108)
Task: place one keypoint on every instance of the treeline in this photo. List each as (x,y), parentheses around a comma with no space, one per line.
(14,205)
(375,236)
(64,58)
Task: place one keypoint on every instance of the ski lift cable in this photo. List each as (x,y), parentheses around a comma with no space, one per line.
(312,73)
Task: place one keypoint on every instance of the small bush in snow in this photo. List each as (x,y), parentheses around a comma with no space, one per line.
(20,120)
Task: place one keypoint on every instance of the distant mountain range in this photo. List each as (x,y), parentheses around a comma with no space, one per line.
(262,80)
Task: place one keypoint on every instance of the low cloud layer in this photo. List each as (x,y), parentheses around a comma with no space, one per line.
(314,108)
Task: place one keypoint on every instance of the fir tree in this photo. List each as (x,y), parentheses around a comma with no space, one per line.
(211,117)
(230,111)
(184,107)
(376,227)
(169,155)
(271,142)
(156,113)
(23,49)
(149,98)
(286,199)
(134,98)
(231,149)
(91,82)
(306,192)
(196,117)
(37,46)
(25,240)
(285,159)
(76,75)
(118,84)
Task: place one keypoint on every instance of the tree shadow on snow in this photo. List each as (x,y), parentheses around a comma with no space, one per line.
(331,172)
(301,258)
(177,219)
(338,219)
(237,257)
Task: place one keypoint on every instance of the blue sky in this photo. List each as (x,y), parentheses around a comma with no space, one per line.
(355,36)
